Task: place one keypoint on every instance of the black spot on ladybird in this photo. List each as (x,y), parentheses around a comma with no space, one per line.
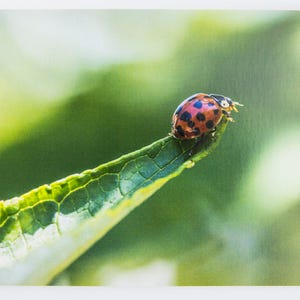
(186,116)
(191,98)
(209,124)
(210,104)
(180,130)
(198,104)
(200,116)
(216,111)
(196,131)
(191,124)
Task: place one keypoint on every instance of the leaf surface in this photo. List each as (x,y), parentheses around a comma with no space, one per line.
(46,229)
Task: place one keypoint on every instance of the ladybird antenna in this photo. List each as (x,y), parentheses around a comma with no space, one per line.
(237,103)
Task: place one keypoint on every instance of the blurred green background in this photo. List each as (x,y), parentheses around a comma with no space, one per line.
(80,88)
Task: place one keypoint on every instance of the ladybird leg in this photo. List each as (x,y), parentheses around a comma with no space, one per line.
(213,132)
(228,116)
(196,146)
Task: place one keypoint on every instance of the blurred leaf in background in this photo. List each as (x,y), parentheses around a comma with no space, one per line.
(76,82)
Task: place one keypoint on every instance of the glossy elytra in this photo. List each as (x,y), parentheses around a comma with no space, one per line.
(201,113)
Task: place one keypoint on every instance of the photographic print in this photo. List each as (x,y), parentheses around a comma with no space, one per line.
(149,147)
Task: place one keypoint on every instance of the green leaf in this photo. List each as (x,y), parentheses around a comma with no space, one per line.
(44,230)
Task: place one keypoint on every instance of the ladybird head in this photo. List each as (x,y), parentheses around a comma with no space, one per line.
(226,103)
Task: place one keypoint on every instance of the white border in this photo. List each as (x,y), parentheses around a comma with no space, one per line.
(153,4)
(174,293)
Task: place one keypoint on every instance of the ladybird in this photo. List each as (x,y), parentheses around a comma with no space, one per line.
(201,113)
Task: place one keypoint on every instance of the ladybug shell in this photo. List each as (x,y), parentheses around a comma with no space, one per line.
(196,115)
